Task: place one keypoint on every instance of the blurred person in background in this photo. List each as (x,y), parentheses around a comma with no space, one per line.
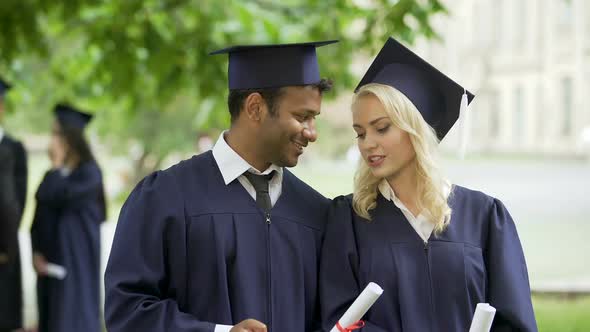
(437,249)
(66,229)
(13,192)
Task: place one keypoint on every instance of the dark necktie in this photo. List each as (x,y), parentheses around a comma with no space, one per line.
(260,183)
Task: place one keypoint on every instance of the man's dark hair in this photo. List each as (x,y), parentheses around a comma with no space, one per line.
(271,96)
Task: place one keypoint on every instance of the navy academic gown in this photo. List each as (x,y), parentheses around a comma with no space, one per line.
(190,252)
(66,231)
(13,192)
(427,287)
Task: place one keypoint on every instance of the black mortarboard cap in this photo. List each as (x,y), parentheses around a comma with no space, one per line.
(70,116)
(272,66)
(436,96)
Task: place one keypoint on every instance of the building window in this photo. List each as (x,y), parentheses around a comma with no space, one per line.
(519,19)
(567,103)
(518,126)
(494,128)
(564,16)
(481,28)
(499,23)
(540,114)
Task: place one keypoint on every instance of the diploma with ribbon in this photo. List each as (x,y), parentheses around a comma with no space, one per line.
(483,318)
(351,319)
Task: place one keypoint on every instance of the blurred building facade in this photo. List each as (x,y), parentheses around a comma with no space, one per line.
(528,62)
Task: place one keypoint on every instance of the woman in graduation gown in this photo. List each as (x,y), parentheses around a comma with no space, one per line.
(436,249)
(66,229)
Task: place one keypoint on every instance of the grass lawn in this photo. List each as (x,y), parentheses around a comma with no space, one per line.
(562,315)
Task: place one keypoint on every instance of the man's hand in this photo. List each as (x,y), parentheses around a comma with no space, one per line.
(249,325)
(40,264)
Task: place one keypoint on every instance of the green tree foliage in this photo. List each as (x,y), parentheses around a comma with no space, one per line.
(143,65)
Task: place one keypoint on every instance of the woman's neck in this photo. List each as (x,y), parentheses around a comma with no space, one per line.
(405,185)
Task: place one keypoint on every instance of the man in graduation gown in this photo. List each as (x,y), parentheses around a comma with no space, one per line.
(13,191)
(229,240)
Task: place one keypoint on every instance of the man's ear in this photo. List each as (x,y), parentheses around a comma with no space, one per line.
(254,106)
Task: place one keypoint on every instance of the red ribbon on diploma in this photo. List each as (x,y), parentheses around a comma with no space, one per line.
(354,326)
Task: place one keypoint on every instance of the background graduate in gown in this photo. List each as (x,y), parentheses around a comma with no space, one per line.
(66,229)
(229,240)
(436,249)
(13,192)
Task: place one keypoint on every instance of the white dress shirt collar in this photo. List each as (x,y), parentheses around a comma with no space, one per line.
(421,223)
(232,165)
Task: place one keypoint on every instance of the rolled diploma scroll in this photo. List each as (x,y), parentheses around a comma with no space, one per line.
(56,271)
(360,306)
(483,318)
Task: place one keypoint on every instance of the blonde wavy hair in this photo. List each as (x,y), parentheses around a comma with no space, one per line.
(432,187)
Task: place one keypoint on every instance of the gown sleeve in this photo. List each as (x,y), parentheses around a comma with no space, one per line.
(58,189)
(508,288)
(151,229)
(339,282)
(44,219)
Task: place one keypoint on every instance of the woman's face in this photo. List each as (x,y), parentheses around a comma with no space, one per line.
(57,135)
(57,145)
(55,129)
(385,148)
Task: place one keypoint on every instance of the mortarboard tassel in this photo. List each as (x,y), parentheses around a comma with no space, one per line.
(463,125)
